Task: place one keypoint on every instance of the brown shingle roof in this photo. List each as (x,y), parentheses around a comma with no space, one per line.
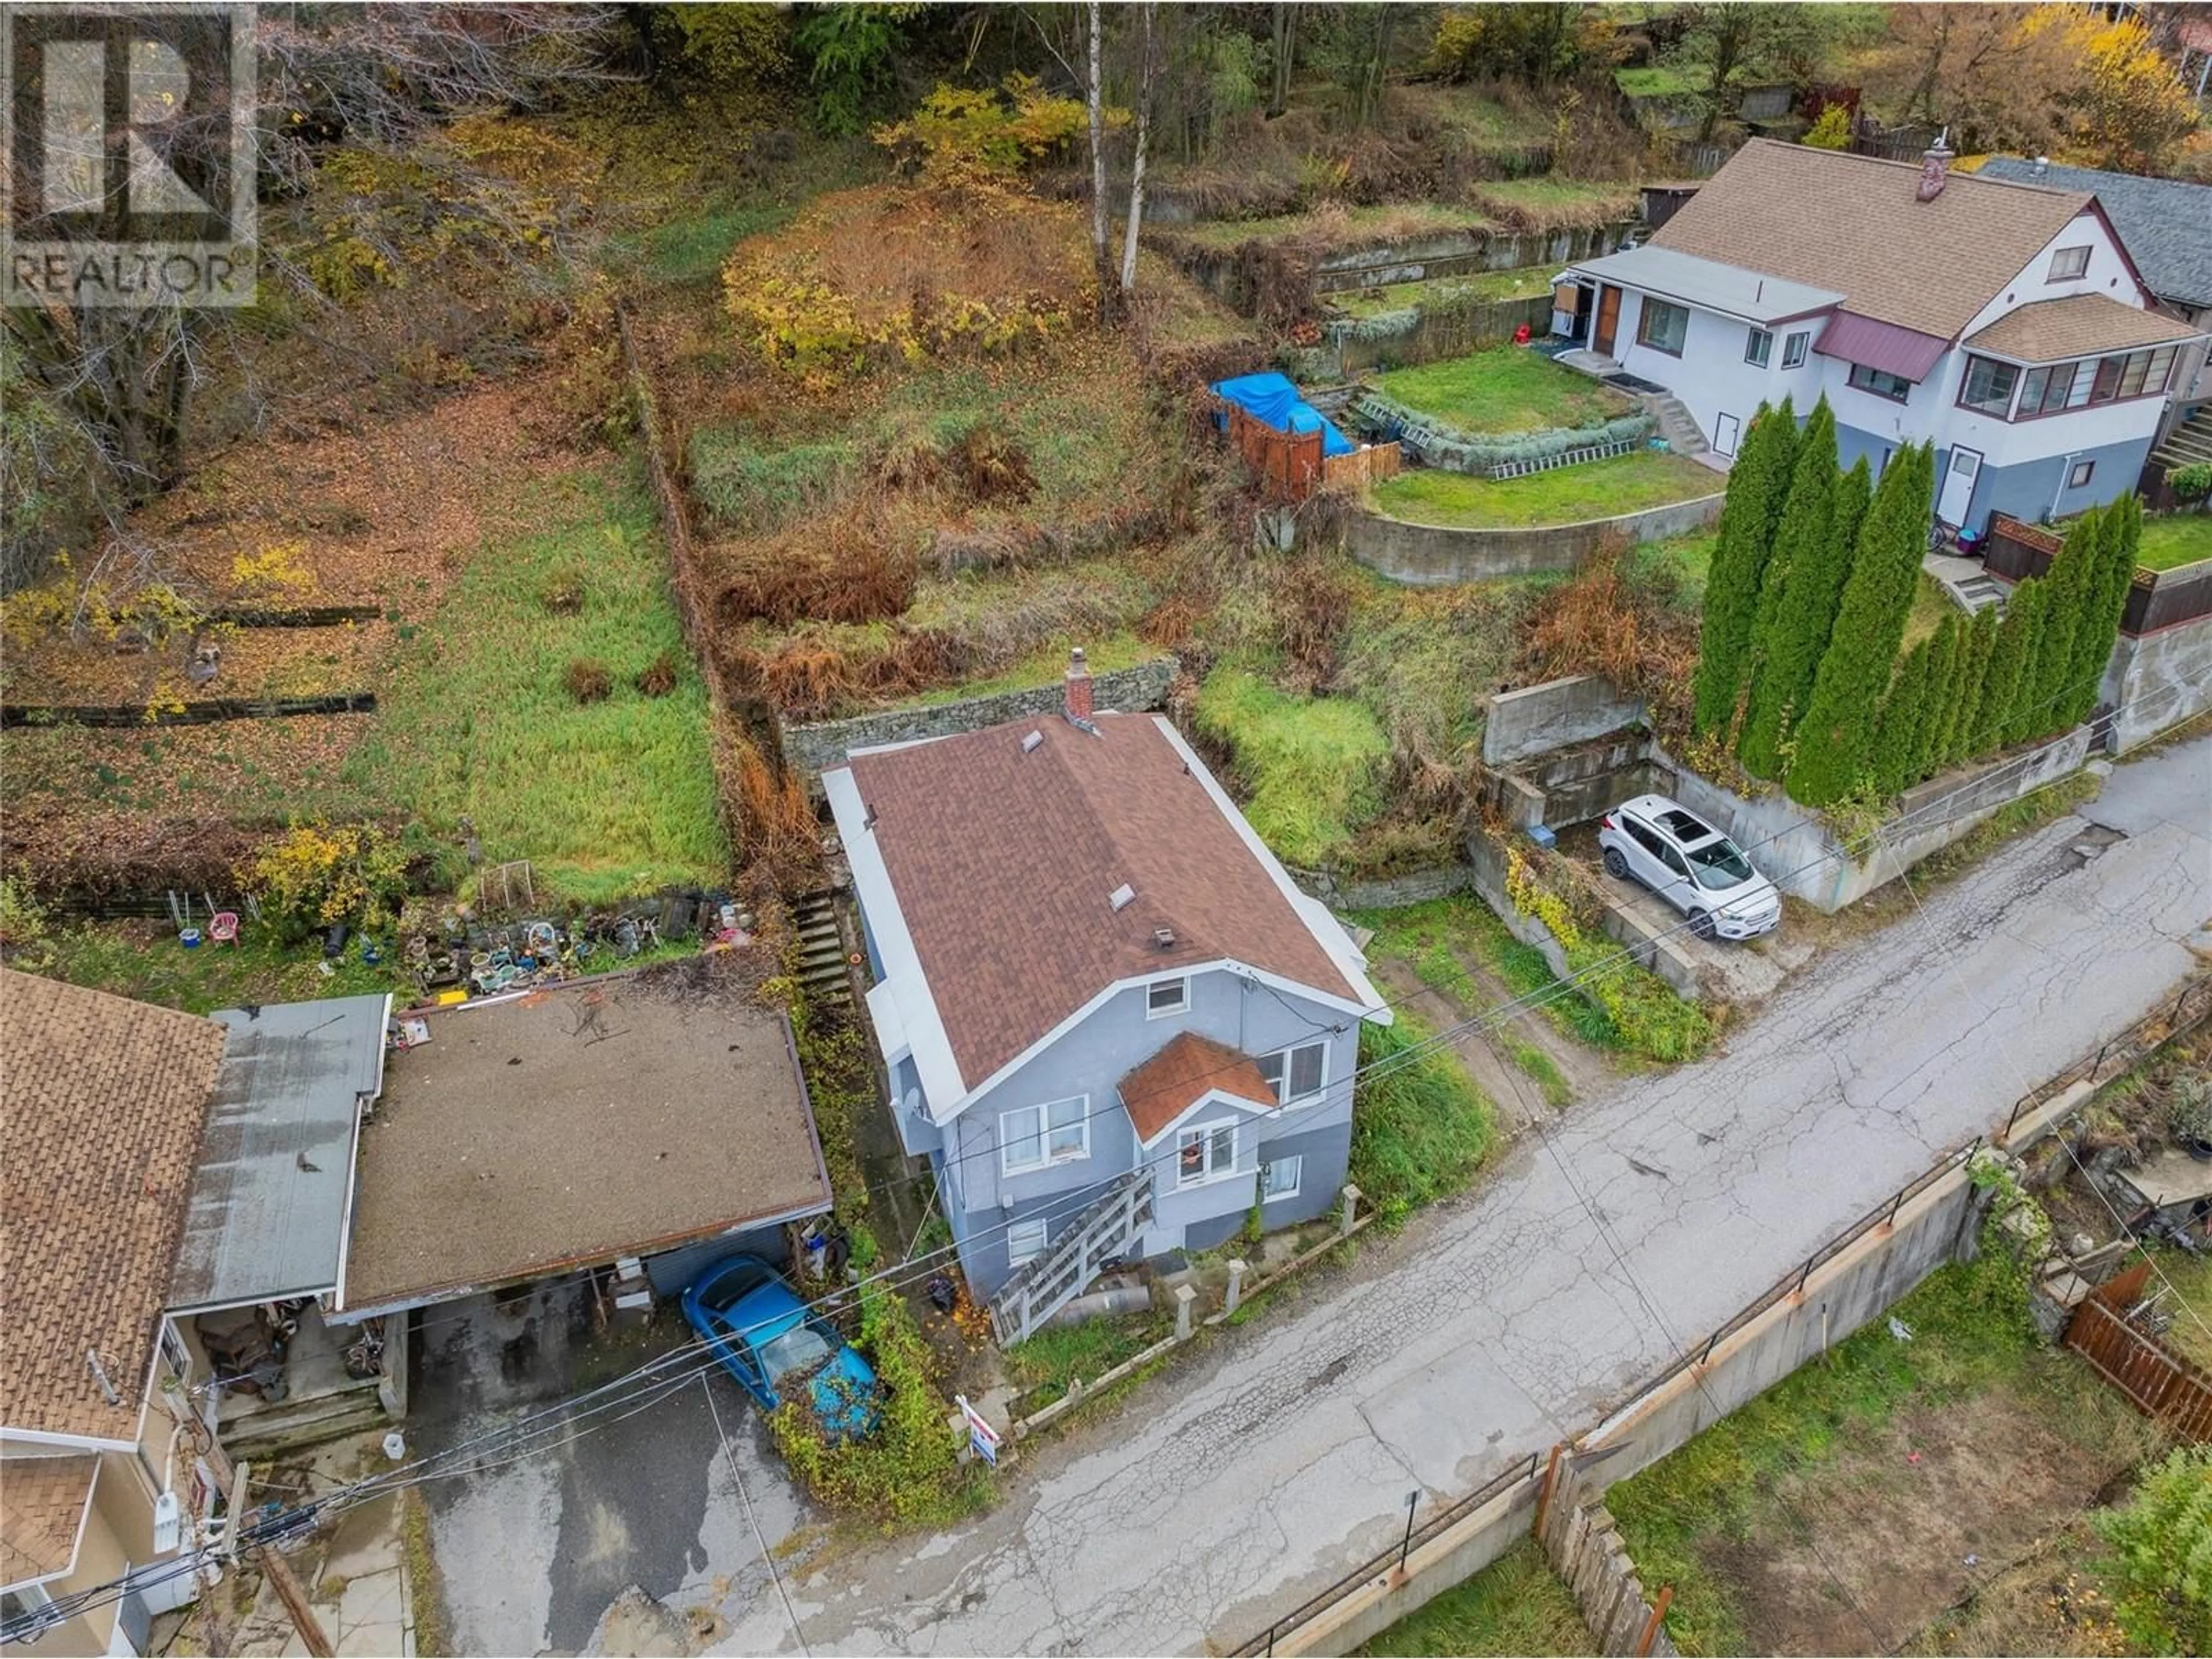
(2051,331)
(1187,1069)
(1846,221)
(1004,864)
(42,1503)
(102,1104)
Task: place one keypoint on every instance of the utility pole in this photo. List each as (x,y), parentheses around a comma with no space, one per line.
(278,1572)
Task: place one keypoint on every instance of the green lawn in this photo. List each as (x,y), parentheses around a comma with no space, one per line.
(1478,288)
(1930,604)
(1671,82)
(606,798)
(1547,203)
(2171,540)
(1516,1605)
(1311,767)
(1567,495)
(1419,1126)
(1046,1366)
(1511,389)
(1691,558)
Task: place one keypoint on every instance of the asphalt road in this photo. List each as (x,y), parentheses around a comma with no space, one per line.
(1230,1489)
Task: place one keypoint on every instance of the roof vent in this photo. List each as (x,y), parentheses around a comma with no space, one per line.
(2042,166)
(1122,896)
(1031,743)
(1163,938)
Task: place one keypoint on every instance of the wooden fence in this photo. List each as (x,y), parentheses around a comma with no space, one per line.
(1104,1233)
(2156,599)
(1584,1549)
(1291,465)
(204,711)
(2160,1381)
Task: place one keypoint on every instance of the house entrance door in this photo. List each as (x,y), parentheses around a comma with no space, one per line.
(1608,320)
(1957,494)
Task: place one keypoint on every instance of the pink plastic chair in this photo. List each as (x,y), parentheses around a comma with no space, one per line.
(223,928)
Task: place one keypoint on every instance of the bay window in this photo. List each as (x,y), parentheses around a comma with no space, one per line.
(2046,390)
(1206,1153)
(1988,386)
(2137,374)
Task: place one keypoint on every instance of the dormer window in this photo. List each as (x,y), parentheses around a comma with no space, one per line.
(2069,264)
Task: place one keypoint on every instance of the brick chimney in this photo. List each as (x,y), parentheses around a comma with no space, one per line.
(1936,167)
(1079,686)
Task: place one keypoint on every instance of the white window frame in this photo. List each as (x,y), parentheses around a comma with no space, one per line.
(1297,1164)
(1046,1159)
(1758,347)
(1179,1006)
(2078,475)
(2057,254)
(1203,1134)
(1796,347)
(1020,1250)
(1283,1083)
(32,1599)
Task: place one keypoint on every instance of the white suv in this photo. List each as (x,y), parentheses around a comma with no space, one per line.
(1691,864)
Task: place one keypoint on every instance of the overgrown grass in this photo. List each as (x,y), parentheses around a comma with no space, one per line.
(1971,1333)
(1419,1126)
(1477,288)
(744,488)
(1507,389)
(1311,766)
(1672,80)
(1514,1606)
(1567,495)
(606,798)
(1045,666)
(693,247)
(1336,225)
(1930,604)
(2171,540)
(1053,1359)
(1691,558)
(1550,202)
(145,963)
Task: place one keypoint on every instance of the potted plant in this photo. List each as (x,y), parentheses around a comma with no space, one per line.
(2188,1118)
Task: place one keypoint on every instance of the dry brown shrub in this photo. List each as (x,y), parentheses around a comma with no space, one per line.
(852,568)
(587,681)
(992,466)
(1604,620)
(1171,622)
(658,677)
(775,823)
(807,681)
(1313,608)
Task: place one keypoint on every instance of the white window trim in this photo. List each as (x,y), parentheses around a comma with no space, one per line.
(1045,1160)
(1181,1006)
(1319,1089)
(1796,347)
(1756,353)
(2057,254)
(1206,1130)
(1035,1226)
(1266,1164)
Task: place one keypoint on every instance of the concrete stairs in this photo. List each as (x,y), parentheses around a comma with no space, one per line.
(2189,444)
(1979,592)
(1676,426)
(821,967)
(1965,582)
(287,1427)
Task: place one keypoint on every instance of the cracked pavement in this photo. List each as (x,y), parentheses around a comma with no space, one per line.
(1279,1455)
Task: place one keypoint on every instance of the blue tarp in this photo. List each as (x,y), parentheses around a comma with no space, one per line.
(1273,399)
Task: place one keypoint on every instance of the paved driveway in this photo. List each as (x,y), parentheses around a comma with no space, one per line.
(1245,1479)
(532,1548)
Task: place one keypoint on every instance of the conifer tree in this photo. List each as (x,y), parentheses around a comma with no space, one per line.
(1833,739)
(2007,658)
(2032,602)
(1904,717)
(1797,603)
(2105,599)
(2073,579)
(1964,728)
(1756,487)
(1946,666)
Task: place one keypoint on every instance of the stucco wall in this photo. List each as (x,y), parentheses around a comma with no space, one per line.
(1430,555)
(1799,852)
(1538,718)
(2157,680)
(1126,691)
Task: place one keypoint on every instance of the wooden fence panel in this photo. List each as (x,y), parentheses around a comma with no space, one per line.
(2160,1382)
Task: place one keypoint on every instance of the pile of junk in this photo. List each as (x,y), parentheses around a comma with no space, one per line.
(455,955)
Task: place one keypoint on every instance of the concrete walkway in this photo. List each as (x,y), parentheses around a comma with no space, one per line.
(1239,1483)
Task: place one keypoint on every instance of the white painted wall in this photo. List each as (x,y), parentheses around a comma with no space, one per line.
(1711,377)
(2107,274)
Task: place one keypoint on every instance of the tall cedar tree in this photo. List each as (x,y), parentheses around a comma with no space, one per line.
(2099,626)
(2034,607)
(2008,658)
(1904,716)
(1965,723)
(1756,486)
(1798,605)
(2074,574)
(1833,737)
(1946,659)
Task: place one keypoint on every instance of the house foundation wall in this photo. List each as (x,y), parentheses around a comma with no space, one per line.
(2158,681)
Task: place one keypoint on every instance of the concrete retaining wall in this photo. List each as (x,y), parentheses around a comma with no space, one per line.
(1391,893)
(2158,681)
(1431,555)
(811,748)
(1537,718)
(1800,854)
(1571,785)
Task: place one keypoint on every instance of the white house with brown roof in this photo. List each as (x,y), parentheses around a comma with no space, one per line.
(103,1102)
(2005,323)
(1088,968)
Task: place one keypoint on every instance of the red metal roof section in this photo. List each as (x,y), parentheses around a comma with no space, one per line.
(1901,351)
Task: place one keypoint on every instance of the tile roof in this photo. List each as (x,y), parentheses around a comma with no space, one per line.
(2051,331)
(1186,1070)
(2166,224)
(1004,862)
(1838,221)
(102,1101)
(42,1502)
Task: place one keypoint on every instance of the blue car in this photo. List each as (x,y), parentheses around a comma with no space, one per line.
(765,1337)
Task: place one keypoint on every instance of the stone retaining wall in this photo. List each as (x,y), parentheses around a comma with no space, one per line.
(1431,555)
(811,748)
(1391,893)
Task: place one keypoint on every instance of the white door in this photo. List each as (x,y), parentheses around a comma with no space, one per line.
(1958,491)
(1724,432)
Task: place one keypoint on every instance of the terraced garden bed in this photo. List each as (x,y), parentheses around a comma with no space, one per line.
(1567,495)
(1478,288)
(1508,389)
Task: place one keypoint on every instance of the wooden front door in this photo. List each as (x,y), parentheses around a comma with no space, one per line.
(1608,320)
